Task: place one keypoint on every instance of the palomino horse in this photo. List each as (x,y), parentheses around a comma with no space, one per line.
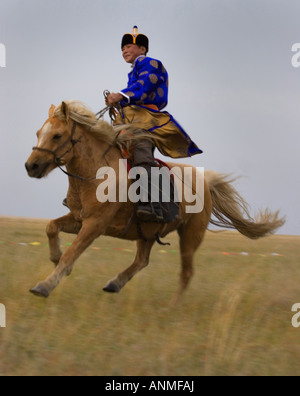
(73,137)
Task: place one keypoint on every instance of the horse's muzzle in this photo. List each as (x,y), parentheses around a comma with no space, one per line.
(36,169)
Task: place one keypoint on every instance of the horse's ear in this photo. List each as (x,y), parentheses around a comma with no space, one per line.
(51,110)
(65,110)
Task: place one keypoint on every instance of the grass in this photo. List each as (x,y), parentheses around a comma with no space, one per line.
(235,318)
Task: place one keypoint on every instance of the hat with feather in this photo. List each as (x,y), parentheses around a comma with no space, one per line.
(135,38)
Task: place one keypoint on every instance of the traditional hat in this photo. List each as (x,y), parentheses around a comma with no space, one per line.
(135,38)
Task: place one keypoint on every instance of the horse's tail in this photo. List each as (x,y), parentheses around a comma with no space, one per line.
(231,210)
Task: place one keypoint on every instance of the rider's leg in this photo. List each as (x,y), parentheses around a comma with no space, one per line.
(143,156)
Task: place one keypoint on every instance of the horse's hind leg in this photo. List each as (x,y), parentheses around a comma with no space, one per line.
(64,224)
(191,236)
(140,262)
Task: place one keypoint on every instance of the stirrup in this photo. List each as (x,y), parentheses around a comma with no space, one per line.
(147,214)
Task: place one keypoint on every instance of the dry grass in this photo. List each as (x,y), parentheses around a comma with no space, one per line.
(235,318)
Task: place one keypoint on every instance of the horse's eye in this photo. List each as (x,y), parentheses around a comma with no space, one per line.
(57,137)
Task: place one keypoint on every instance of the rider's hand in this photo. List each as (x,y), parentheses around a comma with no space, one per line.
(113,98)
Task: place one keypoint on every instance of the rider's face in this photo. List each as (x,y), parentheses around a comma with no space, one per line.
(131,52)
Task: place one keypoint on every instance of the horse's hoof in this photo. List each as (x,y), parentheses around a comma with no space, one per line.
(55,260)
(111,287)
(40,291)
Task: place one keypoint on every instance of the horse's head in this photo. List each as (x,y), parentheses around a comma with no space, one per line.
(54,144)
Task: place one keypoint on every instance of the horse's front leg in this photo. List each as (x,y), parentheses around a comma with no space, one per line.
(91,229)
(66,224)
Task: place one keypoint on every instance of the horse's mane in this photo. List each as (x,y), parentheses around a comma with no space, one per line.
(100,129)
(80,113)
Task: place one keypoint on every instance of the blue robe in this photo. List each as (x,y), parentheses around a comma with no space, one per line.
(148,85)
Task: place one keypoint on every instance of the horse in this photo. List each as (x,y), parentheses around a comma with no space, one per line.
(74,137)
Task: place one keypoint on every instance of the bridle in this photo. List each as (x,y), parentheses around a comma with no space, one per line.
(58,160)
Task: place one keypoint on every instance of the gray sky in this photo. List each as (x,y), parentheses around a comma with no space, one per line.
(232,87)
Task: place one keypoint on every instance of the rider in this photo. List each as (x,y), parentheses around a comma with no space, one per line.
(142,101)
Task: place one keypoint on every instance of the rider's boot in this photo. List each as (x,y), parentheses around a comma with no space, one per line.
(149,211)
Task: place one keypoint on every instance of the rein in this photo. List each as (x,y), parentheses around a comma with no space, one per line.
(112,109)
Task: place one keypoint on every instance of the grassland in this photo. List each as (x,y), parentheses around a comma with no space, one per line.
(235,319)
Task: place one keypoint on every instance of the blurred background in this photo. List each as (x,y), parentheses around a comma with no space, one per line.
(235,91)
